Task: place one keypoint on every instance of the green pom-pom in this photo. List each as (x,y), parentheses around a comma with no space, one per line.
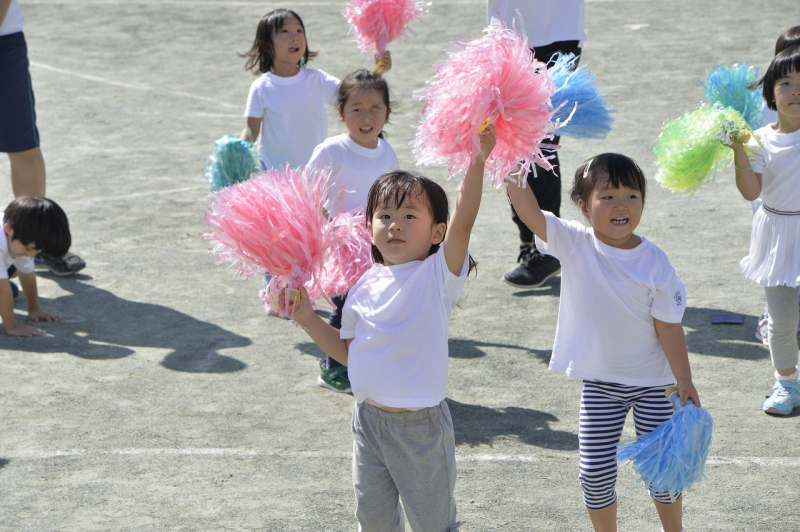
(692,148)
(233,161)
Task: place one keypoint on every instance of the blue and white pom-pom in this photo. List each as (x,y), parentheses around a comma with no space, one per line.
(673,456)
(728,86)
(233,161)
(581,107)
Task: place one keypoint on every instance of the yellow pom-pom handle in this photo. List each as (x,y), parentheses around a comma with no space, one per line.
(294,297)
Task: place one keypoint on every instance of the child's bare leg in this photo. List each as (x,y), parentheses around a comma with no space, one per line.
(671,515)
(604,520)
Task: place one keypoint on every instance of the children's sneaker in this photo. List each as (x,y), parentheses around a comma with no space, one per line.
(535,269)
(333,378)
(69,264)
(784,398)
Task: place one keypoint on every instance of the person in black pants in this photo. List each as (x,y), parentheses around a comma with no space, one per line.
(534,268)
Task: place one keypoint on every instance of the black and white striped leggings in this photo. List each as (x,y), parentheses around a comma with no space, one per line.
(604,406)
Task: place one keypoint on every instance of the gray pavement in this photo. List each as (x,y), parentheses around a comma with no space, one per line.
(167,400)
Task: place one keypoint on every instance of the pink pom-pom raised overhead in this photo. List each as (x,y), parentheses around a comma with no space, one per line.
(488,80)
(376,23)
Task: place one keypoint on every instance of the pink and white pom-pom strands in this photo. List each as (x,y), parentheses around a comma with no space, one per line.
(350,253)
(492,79)
(274,223)
(376,23)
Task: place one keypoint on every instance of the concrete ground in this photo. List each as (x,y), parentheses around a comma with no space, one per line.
(167,400)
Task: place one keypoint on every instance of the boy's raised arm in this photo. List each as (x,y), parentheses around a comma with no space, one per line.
(456,239)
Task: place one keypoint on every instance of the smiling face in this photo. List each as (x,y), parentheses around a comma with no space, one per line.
(289,44)
(364,113)
(17,248)
(614,213)
(405,233)
(787,96)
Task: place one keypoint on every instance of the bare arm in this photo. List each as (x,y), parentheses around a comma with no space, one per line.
(747,181)
(7,312)
(528,210)
(673,342)
(4,9)
(324,335)
(456,239)
(251,130)
(31,291)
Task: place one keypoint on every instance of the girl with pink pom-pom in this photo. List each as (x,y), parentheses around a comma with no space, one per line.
(286,105)
(356,159)
(394,342)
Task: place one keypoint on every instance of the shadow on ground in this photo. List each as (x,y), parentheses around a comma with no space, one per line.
(459,348)
(98,325)
(722,340)
(479,425)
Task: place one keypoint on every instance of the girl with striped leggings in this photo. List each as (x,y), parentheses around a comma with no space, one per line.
(619,323)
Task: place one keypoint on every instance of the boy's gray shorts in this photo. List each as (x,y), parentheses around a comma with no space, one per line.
(409,456)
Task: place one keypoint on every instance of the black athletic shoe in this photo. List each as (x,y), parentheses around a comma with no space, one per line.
(69,264)
(535,269)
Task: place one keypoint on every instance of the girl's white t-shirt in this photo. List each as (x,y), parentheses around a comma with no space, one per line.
(609,297)
(353,167)
(777,158)
(543,21)
(293,113)
(398,320)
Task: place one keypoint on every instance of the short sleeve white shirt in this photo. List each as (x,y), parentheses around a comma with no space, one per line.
(354,169)
(397,318)
(23,264)
(543,21)
(293,113)
(609,297)
(777,158)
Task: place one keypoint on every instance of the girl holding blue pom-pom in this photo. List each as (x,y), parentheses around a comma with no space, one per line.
(771,172)
(619,323)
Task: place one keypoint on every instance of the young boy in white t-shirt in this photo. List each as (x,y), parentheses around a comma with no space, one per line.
(30,224)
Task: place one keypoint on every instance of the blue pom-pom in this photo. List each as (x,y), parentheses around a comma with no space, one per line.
(233,161)
(672,457)
(727,85)
(580,106)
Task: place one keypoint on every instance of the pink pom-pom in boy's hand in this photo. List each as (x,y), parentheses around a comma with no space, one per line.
(491,80)
(273,223)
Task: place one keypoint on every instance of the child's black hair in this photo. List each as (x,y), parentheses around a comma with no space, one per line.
(392,188)
(788,38)
(616,168)
(261,56)
(367,80)
(785,62)
(41,222)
